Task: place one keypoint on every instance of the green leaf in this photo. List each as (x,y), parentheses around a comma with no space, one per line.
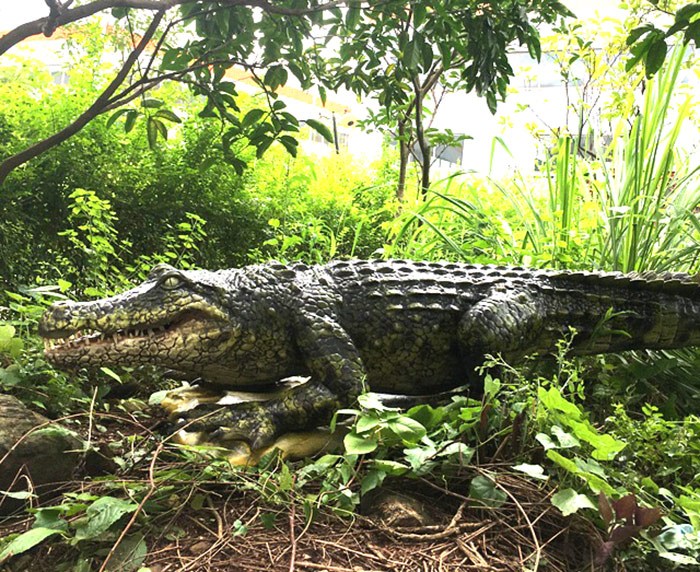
(393,468)
(275,77)
(111,374)
(418,457)
(352,17)
(693,33)
(655,57)
(290,144)
(129,555)
(359,444)
(9,376)
(286,481)
(7,332)
(491,102)
(372,480)
(18,495)
(116,115)
(566,440)
(167,114)
(263,145)
(407,429)
(554,400)
(367,422)
(484,489)
(491,386)
(151,103)
(131,116)
(637,33)
(606,446)
(160,127)
(534,471)
(411,55)
(569,501)
(429,417)
(320,128)
(100,515)
(688,11)
(25,541)
(253,116)
(151,132)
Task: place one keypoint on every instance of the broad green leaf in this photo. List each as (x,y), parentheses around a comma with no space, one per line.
(359,444)
(151,132)
(688,11)
(367,422)
(167,114)
(9,376)
(129,555)
(116,115)
(429,417)
(160,127)
(566,440)
(352,17)
(320,128)
(253,116)
(373,401)
(418,456)
(693,33)
(18,495)
(491,386)
(151,103)
(286,481)
(606,446)
(372,480)
(263,145)
(655,57)
(407,429)
(552,399)
(637,33)
(393,468)
(484,489)
(25,541)
(100,515)
(546,441)
(111,374)
(290,144)
(563,462)
(462,450)
(411,55)
(7,332)
(131,116)
(569,501)
(534,471)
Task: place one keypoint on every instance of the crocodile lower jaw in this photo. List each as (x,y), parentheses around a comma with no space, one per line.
(86,347)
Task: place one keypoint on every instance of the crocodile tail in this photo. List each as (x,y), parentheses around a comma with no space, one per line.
(650,310)
(672,283)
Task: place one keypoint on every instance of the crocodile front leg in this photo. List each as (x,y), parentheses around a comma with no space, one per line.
(508,321)
(336,380)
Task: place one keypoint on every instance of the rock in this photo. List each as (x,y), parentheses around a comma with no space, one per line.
(47,456)
(395,510)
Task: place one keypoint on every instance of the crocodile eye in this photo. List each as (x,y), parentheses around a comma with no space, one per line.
(171,282)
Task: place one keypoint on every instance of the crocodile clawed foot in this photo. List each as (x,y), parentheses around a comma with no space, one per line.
(248,422)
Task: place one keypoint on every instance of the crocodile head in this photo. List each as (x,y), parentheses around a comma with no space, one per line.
(176,319)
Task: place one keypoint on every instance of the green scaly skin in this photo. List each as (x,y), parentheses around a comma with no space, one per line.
(399,326)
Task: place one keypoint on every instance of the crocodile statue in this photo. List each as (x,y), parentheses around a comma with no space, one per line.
(394,326)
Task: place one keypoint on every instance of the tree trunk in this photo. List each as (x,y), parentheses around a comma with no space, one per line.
(422,141)
(403,162)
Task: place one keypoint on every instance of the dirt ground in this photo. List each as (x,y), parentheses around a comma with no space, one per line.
(433,526)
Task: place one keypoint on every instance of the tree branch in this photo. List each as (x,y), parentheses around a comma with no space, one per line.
(61,17)
(11,163)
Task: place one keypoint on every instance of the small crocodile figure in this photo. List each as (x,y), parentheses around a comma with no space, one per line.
(395,326)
